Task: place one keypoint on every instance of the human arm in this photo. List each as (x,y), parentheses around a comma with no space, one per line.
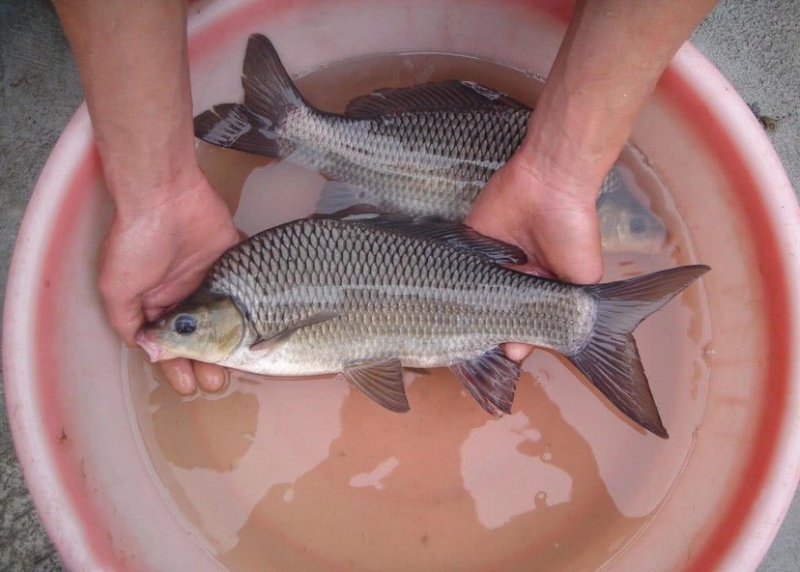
(608,64)
(169,224)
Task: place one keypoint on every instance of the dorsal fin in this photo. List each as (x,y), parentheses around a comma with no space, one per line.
(455,234)
(439,96)
(268,89)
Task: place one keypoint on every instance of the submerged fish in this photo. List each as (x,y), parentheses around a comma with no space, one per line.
(426,150)
(625,224)
(366,294)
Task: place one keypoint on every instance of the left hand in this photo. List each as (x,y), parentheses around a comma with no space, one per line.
(552,219)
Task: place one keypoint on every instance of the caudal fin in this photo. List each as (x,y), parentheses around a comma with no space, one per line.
(610,359)
(269,97)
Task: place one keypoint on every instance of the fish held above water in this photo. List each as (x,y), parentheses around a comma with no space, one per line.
(366,294)
(426,150)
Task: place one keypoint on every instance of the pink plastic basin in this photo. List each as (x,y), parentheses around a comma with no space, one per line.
(82,457)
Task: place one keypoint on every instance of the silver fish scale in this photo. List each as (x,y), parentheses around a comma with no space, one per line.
(419,299)
(420,163)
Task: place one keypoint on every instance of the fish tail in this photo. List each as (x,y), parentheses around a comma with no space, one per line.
(610,358)
(270,96)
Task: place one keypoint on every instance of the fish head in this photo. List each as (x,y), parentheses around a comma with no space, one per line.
(627,226)
(202,328)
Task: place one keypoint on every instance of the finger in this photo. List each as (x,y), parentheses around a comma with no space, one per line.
(517,352)
(568,243)
(210,377)
(180,375)
(533,266)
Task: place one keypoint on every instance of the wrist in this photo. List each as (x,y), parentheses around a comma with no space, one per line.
(145,158)
(569,152)
(608,65)
(139,191)
(577,131)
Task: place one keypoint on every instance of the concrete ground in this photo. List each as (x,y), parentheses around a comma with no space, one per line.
(755,44)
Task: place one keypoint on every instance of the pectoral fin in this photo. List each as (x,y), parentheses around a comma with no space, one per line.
(336,196)
(491,379)
(266,344)
(381,381)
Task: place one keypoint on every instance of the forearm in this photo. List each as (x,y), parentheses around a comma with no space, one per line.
(609,63)
(134,70)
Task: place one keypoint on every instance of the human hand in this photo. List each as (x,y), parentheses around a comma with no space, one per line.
(156,254)
(553,221)
(169,224)
(550,216)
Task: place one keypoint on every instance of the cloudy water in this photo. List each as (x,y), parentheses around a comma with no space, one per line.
(307,474)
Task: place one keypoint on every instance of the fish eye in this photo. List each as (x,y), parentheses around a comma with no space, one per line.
(638,225)
(185,324)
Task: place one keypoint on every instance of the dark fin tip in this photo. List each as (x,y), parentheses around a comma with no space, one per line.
(268,89)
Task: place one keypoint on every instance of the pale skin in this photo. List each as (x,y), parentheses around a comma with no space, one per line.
(170,225)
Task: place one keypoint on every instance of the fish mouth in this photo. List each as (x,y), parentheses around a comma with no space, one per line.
(154,351)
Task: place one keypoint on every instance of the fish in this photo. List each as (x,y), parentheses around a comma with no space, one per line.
(366,294)
(426,150)
(626,225)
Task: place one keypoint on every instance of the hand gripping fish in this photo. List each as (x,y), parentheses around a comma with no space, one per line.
(366,294)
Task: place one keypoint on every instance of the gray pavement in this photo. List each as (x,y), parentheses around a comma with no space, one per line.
(755,44)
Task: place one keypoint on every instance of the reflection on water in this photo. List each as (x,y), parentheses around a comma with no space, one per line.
(456,489)
(516,456)
(304,474)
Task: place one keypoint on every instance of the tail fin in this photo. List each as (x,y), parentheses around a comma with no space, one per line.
(610,359)
(269,97)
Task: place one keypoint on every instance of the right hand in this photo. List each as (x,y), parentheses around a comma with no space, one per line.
(155,255)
